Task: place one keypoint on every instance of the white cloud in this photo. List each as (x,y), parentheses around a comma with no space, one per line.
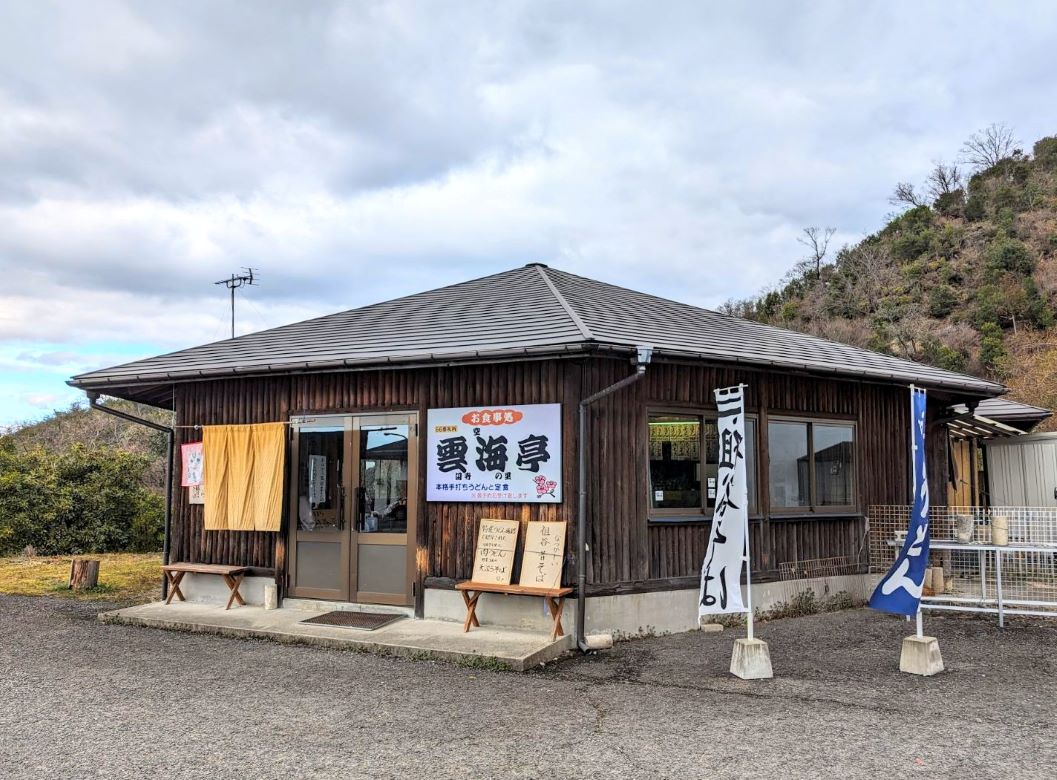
(355,152)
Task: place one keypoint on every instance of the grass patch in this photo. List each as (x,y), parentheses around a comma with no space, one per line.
(122,577)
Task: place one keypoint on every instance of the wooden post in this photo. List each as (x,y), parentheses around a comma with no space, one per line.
(84,574)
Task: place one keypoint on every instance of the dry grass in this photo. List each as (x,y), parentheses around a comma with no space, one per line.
(134,577)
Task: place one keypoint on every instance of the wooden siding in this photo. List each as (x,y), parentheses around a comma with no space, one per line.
(446,531)
(626,550)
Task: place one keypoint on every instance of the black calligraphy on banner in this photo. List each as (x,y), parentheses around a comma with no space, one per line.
(727,550)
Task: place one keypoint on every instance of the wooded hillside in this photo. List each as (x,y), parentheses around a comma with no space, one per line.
(963,277)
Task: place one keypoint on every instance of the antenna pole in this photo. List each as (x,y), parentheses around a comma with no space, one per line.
(233,283)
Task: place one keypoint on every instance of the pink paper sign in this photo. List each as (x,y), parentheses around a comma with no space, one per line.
(192,463)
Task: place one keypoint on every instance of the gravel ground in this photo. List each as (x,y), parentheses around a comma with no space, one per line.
(82,700)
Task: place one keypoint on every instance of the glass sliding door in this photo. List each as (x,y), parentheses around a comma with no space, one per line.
(386,498)
(319,510)
(354,495)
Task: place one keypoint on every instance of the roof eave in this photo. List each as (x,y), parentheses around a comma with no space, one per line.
(981,388)
(978,388)
(88,382)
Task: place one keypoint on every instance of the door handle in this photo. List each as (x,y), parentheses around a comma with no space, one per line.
(361,508)
(341,508)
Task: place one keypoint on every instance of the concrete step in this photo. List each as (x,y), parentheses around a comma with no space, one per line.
(319,605)
(421,640)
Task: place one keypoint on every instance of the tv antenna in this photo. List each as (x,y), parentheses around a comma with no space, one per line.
(234,282)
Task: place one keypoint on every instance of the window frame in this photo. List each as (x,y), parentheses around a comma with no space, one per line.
(703,514)
(813,509)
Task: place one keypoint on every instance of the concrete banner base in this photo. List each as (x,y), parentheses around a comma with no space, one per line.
(751,660)
(921,655)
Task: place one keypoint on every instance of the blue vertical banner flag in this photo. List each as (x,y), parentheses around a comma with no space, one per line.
(727,549)
(899,591)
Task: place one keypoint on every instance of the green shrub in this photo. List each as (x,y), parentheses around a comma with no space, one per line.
(992,347)
(1009,254)
(942,301)
(1006,223)
(950,204)
(938,354)
(975,208)
(1045,152)
(989,302)
(79,501)
(1037,312)
(1009,197)
(911,245)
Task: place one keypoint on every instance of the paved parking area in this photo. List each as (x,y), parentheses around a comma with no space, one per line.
(81,699)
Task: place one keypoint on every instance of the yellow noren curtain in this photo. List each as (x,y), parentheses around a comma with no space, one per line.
(243,478)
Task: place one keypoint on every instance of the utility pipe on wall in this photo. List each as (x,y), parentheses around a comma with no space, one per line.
(644,354)
(93,403)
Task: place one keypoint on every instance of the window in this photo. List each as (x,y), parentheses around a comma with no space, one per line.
(684,464)
(675,462)
(812,464)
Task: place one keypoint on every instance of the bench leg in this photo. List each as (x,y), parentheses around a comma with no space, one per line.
(174,578)
(471,610)
(557,605)
(233,583)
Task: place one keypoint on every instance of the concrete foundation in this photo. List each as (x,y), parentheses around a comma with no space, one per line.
(921,655)
(633,614)
(211,589)
(751,660)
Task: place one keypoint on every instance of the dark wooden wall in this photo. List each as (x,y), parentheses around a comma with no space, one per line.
(626,551)
(629,553)
(446,531)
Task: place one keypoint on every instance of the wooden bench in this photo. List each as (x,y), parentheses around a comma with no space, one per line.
(232,575)
(555,598)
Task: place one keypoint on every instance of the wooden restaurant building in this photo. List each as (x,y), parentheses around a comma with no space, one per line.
(384,490)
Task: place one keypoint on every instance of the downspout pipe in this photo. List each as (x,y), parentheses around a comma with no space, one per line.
(644,353)
(93,403)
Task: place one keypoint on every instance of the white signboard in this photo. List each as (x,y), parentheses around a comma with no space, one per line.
(495,454)
(727,552)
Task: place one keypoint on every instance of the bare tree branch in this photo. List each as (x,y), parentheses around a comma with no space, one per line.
(943,180)
(989,146)
(905,194)
(817,242)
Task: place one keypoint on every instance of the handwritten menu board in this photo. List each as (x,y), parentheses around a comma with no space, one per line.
(493,562)
(541,565)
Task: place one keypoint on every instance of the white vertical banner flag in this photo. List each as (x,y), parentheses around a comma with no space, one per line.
(727,550)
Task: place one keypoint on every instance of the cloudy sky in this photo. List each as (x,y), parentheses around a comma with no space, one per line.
(360,151)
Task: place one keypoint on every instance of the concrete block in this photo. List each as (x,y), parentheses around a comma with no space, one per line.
(599,641)
(712,628)
(921,655)
(751,660)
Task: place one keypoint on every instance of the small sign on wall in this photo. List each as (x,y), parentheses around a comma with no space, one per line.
(196,494)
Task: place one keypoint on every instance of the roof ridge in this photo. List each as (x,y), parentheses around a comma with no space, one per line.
(580,324)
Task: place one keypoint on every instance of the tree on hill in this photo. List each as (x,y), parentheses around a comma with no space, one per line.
(965,277)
